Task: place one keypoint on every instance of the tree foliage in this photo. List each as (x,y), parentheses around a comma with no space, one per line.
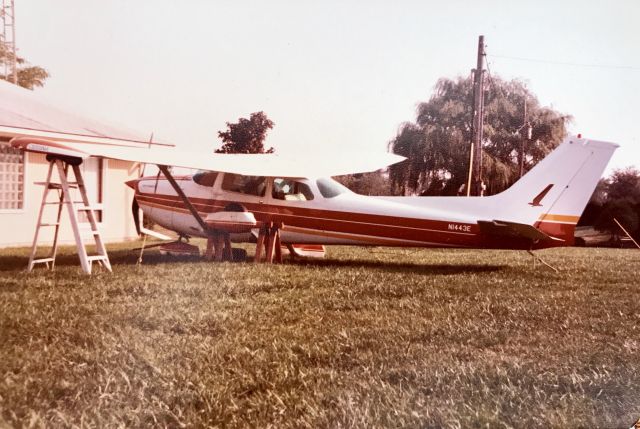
(618,197)
(437,144)
(246,135)
(28,76)
(373,183)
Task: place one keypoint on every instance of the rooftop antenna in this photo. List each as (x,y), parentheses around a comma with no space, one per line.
(8,41)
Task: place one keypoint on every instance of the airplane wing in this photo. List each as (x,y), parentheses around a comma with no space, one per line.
(270,165)
(39,126)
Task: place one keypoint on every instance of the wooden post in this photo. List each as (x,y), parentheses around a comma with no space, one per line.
(210,245)
(271,241)
(219,246)
(278,250)
(228,253)
(261,242)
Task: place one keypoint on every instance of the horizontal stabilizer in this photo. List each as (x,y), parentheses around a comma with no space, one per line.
(502,228)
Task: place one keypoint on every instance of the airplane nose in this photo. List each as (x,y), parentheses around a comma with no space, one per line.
(132,184)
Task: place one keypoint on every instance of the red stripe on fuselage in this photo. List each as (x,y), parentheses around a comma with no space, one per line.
(401,228)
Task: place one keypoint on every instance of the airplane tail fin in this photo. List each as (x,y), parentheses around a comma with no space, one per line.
(553,195)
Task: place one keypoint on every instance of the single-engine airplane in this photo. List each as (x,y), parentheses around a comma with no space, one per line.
(237,195)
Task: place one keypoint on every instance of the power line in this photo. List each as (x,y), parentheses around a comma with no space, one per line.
(563,63)
(493,85)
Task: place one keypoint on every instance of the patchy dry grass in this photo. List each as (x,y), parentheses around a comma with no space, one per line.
(367,338)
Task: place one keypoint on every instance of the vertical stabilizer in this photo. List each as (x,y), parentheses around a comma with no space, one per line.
(553,195)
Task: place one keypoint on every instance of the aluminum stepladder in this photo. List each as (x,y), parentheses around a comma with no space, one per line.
(65,197)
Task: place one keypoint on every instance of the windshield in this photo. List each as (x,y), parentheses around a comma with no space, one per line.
(329,188)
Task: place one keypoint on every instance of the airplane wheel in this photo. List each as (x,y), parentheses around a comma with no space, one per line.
(238,255)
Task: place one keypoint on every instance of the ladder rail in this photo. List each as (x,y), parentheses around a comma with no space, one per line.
(34,245)
(88,208)
(73,217)
(54,248)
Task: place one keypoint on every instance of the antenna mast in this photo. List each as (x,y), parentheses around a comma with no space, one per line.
(8,40)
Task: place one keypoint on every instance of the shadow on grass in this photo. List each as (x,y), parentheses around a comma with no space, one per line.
(400,267)
(128,257)
(116,257)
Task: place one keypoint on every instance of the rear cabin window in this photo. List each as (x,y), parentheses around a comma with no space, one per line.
(291,190)
(330,188)
(205,178)
(250,185)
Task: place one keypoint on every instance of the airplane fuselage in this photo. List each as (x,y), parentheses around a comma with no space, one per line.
(321,211)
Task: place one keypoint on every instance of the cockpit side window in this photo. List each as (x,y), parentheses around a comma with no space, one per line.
(330,188)
(205,178)
(250,185)
(291,190)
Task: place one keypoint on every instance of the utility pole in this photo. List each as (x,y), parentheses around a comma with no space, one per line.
(525,125)
(8,40)
(521,153)
(478,120)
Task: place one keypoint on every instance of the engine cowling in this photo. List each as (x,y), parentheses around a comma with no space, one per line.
(233,222)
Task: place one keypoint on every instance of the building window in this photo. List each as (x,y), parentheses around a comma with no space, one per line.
(12,162)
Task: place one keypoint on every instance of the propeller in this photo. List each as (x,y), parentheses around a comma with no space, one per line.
(138,214)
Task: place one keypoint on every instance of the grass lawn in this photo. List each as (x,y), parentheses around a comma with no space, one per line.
(365,338)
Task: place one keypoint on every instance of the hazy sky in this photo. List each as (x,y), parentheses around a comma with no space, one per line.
(328,73)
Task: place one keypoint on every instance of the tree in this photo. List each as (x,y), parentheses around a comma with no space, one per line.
(28,76)
(247,135)
(621,201)
(373,183)
(437,145)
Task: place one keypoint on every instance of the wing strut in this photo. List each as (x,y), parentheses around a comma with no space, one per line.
(185,199)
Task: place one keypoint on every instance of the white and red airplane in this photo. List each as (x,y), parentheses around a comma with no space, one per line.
(236,195)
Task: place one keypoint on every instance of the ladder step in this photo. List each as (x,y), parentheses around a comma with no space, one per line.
(53,202)
(50,224)
(97,258)
(56,185)
(42,260)
(89,232)
(87,208)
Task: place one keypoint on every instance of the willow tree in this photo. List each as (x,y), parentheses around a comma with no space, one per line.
(437,144)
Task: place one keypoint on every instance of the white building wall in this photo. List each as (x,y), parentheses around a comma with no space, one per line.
(17,227)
